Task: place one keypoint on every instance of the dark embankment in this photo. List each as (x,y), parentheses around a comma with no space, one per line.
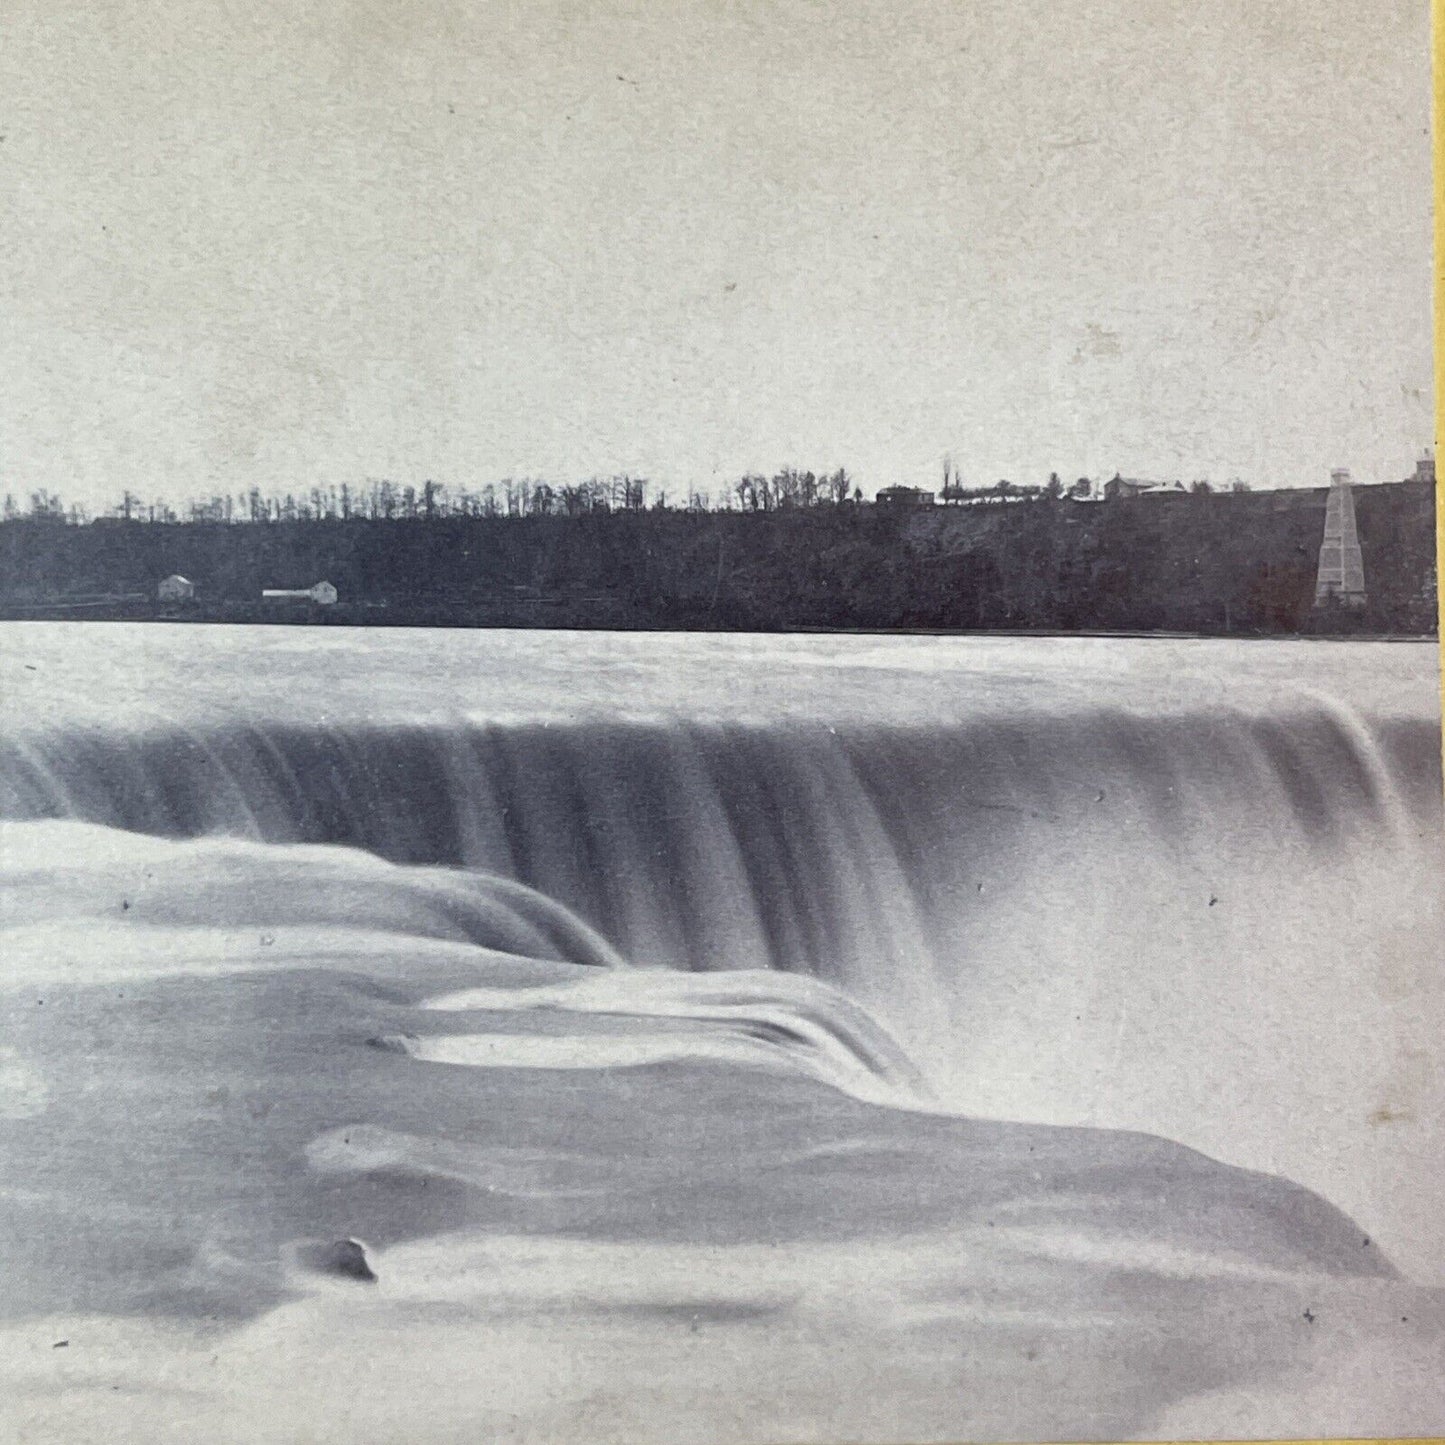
(1214,563)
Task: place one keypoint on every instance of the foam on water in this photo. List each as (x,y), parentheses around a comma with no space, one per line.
(600,1010)
(1086,883)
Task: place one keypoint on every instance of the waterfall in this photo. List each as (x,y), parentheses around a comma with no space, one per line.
(810,992)
(1061,910)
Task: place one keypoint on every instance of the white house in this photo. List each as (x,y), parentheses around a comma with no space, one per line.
(175,588)
(904,497)
(323,593)
(1125,489)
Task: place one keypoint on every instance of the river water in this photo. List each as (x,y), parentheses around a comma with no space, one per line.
(716,1037)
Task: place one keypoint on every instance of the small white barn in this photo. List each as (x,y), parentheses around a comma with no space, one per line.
(322,593)
(175,588)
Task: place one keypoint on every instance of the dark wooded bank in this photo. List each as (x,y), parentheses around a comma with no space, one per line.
(1192,562)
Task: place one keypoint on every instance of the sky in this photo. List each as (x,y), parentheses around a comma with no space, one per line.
(255,242)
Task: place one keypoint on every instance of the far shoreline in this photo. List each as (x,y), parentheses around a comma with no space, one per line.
(398,622)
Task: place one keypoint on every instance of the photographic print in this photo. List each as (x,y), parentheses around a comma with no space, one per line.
(719,722)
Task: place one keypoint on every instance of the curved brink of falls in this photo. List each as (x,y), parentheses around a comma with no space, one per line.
(606,1033)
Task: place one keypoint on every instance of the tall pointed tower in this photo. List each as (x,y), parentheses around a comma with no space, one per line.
(1342,569)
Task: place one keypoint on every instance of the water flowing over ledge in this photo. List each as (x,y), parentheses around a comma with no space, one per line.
(673,1004)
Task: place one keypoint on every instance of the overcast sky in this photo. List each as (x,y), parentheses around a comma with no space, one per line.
(263,241)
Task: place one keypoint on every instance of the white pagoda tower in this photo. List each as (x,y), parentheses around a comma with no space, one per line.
(1342,569)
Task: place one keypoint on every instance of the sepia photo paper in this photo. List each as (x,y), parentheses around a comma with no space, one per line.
(720,722)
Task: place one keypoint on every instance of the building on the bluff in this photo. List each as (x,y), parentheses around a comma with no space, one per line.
(1126,489)
(905,497)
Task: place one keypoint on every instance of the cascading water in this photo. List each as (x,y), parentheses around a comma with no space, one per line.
(1153,886)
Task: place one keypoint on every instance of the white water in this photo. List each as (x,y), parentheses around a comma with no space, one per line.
(1187,888)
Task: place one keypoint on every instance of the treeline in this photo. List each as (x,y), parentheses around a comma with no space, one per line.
(376,500)
(386,501)
(1191,561)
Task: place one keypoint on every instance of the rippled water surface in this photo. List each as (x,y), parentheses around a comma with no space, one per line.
(717,1038)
